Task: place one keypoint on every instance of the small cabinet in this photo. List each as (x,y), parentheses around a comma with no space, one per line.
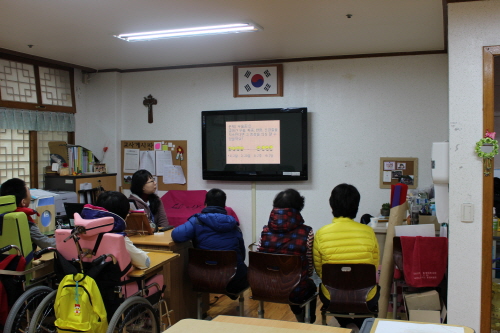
(73,183)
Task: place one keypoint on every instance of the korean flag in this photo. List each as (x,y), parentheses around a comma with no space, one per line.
(258,80)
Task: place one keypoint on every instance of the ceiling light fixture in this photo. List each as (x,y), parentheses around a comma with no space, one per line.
(189,32)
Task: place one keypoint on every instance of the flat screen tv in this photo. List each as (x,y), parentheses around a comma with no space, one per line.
(255,144)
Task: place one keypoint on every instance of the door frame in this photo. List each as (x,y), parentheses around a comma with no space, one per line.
(489,53)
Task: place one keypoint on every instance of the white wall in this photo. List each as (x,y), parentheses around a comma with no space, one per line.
(360,110)
(472,25)
(98,120)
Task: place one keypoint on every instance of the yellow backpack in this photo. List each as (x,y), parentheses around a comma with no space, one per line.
(79,306)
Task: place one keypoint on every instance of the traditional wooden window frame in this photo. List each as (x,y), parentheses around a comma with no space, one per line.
(39,106)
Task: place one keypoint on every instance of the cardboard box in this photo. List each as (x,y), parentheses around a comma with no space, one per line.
(428,219)
(428,300)
(425,307)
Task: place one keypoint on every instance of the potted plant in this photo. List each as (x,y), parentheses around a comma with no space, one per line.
(386,209)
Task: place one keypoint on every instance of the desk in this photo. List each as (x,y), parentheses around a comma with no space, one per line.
(372,323)
(157,261)
(279,324)
(247,326)
(181,298)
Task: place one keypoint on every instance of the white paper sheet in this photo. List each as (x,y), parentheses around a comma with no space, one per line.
(173,174)
(131,160)
(147,161)
(406,327)
(163,157)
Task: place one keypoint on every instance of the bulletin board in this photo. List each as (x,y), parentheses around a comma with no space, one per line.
(165,145)
(395,170)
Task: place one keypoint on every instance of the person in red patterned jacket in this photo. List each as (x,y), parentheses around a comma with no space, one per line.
(286,233)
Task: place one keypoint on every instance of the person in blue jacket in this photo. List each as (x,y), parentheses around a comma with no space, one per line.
(213,229)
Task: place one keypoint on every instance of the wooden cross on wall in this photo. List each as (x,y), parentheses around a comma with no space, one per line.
(149,102)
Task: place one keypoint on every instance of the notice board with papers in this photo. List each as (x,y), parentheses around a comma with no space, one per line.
(167,161)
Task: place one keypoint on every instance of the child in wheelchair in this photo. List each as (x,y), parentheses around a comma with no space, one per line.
(99,249)
(116,205)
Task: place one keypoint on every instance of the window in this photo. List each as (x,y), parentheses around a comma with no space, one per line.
(27,87)
(32,85)
(16,155)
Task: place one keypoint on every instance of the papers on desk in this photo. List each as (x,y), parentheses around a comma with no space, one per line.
(407,327)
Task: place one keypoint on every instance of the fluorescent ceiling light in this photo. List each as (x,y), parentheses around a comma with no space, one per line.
(188,32)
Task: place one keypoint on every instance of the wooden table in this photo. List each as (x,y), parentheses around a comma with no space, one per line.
(249,325)
(370,325)
(279,324)
(158,260)
(181,298)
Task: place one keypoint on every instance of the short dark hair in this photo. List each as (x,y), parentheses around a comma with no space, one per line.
(215,197)
(139,179)
(344,201)
(114,202)
(289,198)
(15,187)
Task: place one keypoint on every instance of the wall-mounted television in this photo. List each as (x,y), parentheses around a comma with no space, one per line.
(255,144)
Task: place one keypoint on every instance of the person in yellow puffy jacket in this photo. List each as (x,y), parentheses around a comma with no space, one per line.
(345,241)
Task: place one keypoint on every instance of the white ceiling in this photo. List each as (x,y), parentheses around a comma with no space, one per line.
(81,32)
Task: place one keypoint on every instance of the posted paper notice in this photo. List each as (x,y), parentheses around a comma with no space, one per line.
(131,160)
(173,174)
(147,161)
(163,157)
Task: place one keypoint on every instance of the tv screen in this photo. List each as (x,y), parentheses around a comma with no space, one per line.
(255,144)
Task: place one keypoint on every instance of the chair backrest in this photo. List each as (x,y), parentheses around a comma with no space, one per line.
(349,285)
(272,277)
(110,244)
(211,271)
(138,223)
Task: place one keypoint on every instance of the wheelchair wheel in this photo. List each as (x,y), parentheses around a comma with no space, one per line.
(134,315)
(23,309)
(43,318)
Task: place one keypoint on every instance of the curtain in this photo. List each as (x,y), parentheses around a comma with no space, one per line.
(36,120)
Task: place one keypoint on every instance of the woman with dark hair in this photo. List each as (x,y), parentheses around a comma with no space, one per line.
(345,241)
(143,188)
(286,233)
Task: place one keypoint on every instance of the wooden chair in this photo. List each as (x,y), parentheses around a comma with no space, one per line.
(348,284)
(273,277)
(211,272)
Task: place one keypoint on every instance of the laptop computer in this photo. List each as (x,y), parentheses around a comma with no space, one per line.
(71,208)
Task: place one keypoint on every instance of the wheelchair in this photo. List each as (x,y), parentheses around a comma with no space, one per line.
(133,298)
(23,290)
(25,283)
